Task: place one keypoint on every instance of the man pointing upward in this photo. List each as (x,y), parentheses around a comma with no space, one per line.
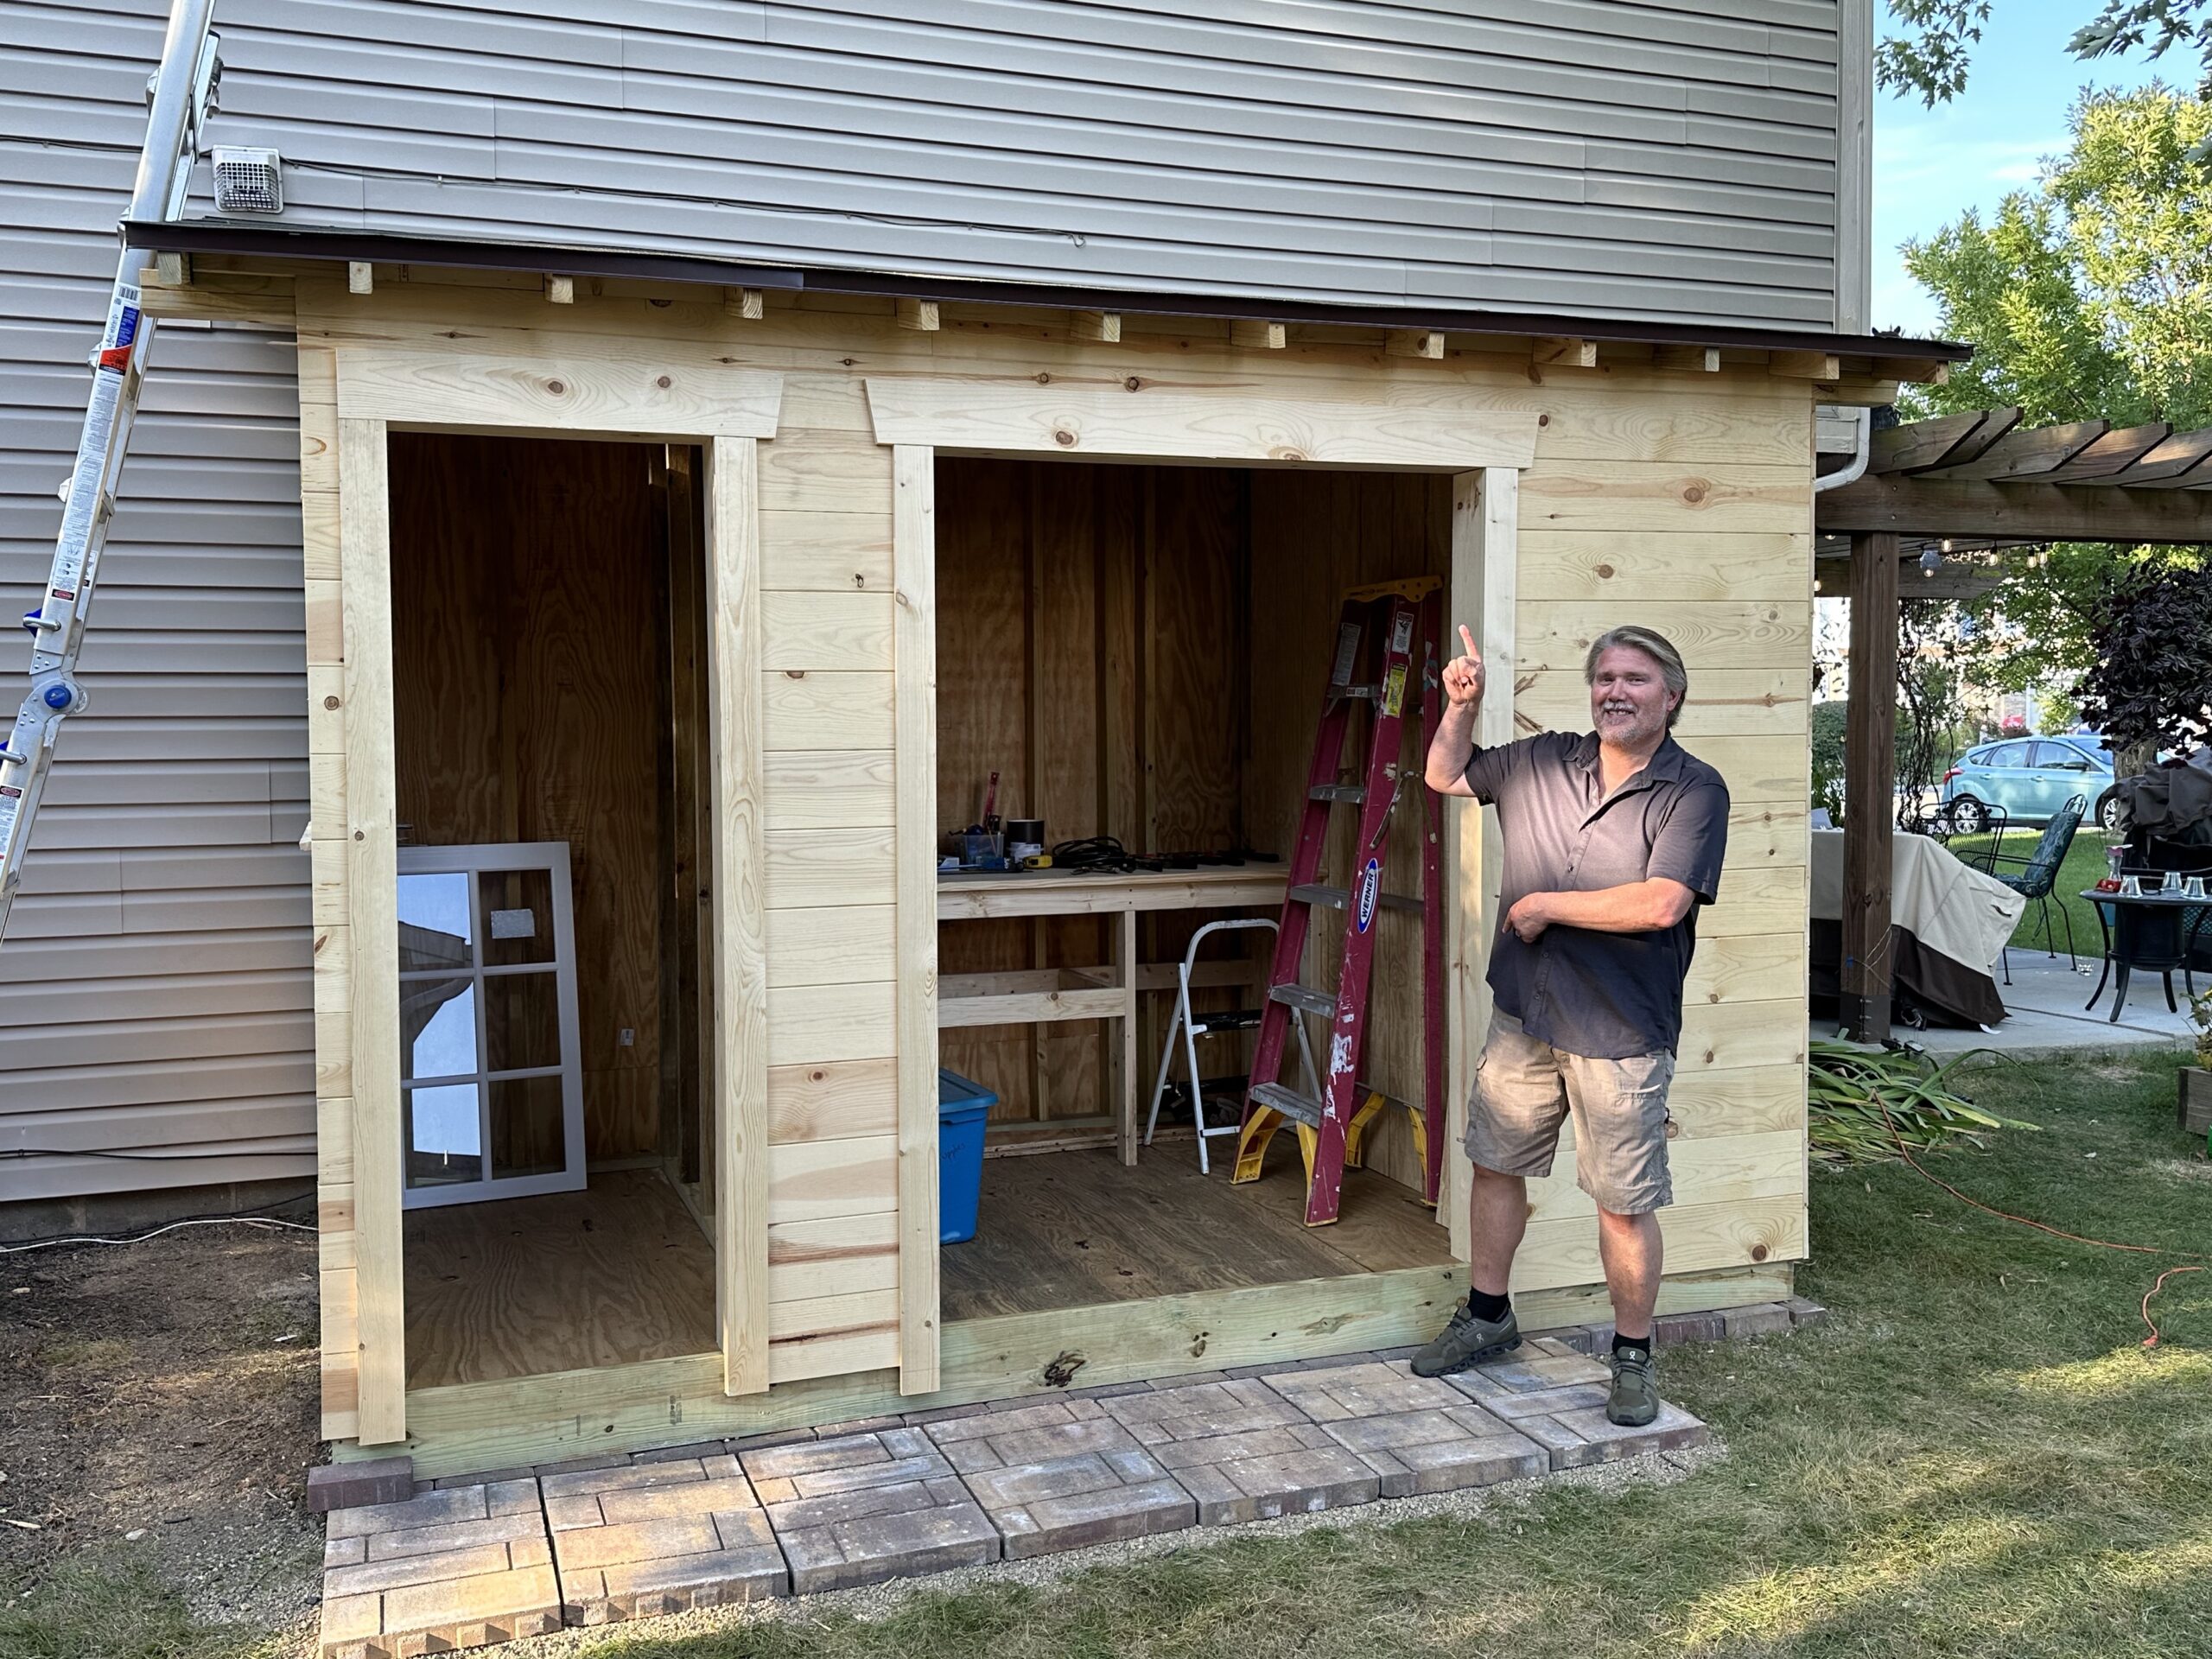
(1613,839)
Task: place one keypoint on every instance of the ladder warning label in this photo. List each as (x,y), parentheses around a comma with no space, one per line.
(1393,692)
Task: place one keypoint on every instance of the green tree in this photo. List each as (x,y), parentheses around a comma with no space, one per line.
(2088,296)
(1934,54)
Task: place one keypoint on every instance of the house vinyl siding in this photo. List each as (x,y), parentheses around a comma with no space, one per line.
(1666,163)
(156,1028)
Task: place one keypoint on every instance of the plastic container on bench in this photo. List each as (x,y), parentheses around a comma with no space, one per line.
(962,1106)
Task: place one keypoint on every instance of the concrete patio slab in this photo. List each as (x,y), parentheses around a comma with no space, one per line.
(1244,1451)
(860,1509)
(2045,1019)
(1418,1434)
(463,1567)
(661,1537)
(1062,1475)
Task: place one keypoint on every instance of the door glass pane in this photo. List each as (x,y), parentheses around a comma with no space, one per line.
(522,1021)
(444,1139)
(437,1028)
(435,931)
(527,1136)
(517,910)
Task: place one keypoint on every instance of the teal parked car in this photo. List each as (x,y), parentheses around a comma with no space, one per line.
(2030,778)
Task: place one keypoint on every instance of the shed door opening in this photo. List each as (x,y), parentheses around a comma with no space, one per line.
(549,653)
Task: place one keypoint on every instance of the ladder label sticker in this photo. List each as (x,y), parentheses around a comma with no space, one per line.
(1401,635)
(1370,884)
(1347,654)
(1394,691)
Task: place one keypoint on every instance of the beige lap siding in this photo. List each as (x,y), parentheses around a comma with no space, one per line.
(827,691)
(1677,499)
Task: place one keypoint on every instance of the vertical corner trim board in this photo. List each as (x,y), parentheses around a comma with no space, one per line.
(1486,570)
(371,875)
(914,705)
(742,953)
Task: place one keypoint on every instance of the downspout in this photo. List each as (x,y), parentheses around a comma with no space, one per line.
(1864,447)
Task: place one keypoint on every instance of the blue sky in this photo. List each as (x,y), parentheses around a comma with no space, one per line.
(1930,165)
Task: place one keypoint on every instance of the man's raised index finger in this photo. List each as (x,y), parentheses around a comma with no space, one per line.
(1468,638)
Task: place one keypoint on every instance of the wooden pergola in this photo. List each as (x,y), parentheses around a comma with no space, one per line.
(1983,480)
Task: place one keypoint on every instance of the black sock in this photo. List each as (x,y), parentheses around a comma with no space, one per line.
(1621,1342)
(1484,1306)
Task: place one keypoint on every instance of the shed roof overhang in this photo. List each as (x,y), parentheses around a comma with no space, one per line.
(1877,357)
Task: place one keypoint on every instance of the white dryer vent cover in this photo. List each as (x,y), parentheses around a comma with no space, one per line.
(249,181)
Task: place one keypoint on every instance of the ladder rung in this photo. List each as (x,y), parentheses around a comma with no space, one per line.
(1302,1108)
(1355,793)
(1305,998)
(1336,897)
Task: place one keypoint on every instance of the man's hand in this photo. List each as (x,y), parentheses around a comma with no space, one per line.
(1463,676)
(1528,917)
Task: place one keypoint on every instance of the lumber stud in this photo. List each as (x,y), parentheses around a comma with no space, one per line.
(1565,353)
(360,277)
(173,270)
(1416,342)
(1257,335)
(1698,359)
(921,315)
(1804,366)
(1102,325)
(562,290)
(747,303)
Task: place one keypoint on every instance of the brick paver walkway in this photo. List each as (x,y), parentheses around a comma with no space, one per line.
(473,1563)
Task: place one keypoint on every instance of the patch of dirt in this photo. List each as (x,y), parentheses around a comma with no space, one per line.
(166,1389)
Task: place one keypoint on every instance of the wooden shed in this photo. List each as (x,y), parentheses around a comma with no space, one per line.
(658,631)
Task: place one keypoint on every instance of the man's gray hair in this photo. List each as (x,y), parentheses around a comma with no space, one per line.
(1655,646)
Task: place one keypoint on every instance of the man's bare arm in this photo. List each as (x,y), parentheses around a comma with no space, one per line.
(1633,907)
(1454,743)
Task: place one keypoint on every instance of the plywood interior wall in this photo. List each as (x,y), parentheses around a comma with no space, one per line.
(531,692)
(1092,650)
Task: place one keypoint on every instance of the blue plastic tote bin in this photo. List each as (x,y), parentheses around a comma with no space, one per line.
(962,1106)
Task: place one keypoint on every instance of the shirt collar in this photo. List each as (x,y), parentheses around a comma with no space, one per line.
(1666,760)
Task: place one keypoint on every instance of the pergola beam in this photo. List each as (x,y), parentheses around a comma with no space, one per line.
(2027,452)
(1975,508)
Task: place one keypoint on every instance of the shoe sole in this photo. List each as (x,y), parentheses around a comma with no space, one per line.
(1474,1359)
(1631,1422)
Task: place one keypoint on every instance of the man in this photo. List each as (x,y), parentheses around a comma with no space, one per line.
(1611,841)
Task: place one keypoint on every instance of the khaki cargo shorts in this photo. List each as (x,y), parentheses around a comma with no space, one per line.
(1524,1088)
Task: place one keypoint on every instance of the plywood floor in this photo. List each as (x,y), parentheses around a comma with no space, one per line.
(613,1274)
(1075,1228)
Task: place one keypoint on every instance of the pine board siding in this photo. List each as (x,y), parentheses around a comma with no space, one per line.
(1632,161)
(155,994)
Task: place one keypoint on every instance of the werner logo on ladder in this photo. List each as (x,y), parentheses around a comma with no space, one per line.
(1392,630)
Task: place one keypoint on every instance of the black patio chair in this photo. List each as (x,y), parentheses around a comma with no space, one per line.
(2036,874)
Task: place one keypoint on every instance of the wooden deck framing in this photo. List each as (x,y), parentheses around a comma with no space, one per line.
(1591,486)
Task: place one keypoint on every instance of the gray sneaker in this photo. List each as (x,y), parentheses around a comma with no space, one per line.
(1634,1399)
(1466,1341)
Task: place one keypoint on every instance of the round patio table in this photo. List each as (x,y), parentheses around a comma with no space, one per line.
(2152,931)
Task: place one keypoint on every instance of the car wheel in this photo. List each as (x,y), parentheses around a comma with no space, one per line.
(2108,812)
(1967,815)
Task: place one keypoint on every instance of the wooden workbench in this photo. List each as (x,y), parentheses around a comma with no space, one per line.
(1107,992)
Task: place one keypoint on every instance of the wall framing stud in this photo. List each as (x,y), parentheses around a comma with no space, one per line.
(1416,342)
(360,277)
(1698,359)
(1565,353)
(1804,366)
(173,270)
(747,303)
(561,290)
(921,315)
(1102,325)
(1257,335)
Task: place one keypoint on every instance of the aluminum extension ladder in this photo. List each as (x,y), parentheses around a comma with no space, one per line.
(176,126)
(1393,627)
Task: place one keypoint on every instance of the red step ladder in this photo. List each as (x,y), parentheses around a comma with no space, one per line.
(1392,632)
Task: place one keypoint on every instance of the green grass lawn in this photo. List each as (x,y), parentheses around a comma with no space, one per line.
(2084,867)
(1975,1455)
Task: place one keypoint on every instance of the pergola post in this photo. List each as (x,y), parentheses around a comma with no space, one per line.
(1869,786)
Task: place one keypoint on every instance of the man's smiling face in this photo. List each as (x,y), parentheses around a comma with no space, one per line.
(1629,698)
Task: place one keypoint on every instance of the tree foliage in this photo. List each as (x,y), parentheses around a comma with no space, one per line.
(1935,54)
(2152,681)
(2088,296)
